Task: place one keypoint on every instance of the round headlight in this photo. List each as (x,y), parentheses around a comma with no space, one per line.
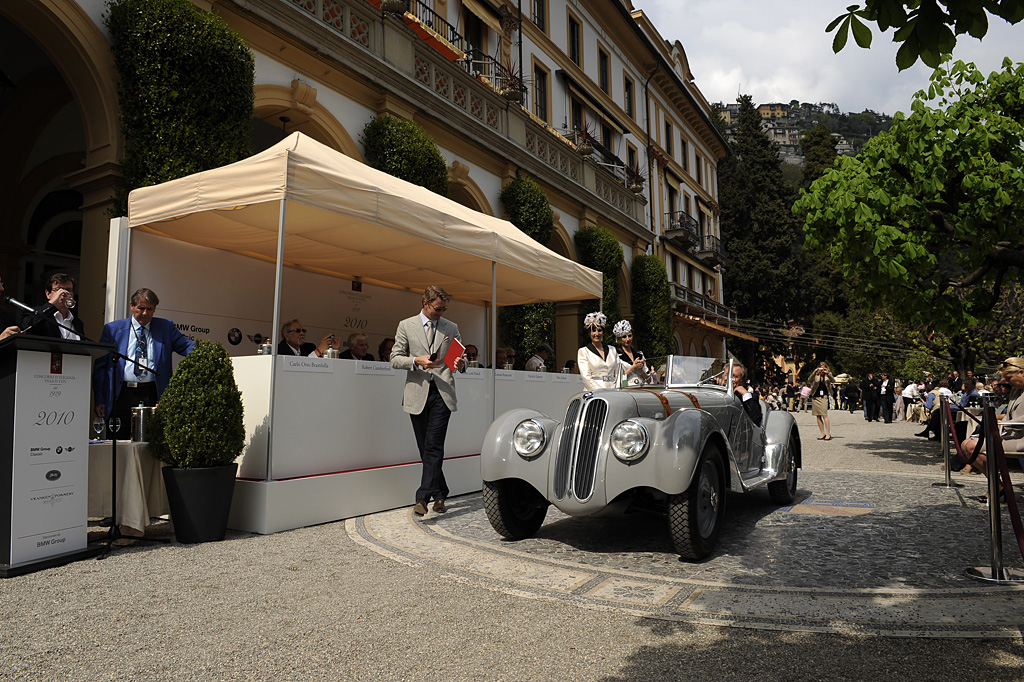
(629,440)
(528,438)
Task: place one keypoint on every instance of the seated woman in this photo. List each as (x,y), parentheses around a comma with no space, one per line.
(639,370)
(1012,371)
(599,363)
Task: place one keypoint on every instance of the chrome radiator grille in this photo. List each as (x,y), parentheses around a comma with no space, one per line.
(576,461)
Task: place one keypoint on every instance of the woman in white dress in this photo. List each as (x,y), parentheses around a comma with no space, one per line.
(598,362)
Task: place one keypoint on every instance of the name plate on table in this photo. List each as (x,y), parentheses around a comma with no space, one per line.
(536,376)
(565,378)
(505,374)
(374,367)
(471,373)
(301,364)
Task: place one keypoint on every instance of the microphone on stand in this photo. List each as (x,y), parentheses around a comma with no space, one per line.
(36,314)
(18,304)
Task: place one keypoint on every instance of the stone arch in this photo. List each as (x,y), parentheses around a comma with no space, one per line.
(561,243)
(78,49)
(464,190)
(625,292)
(79,70)
(298,103)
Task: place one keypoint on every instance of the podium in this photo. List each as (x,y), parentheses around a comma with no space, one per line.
(44,451)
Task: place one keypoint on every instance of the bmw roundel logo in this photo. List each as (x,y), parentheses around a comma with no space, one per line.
(59,449)
(52,475)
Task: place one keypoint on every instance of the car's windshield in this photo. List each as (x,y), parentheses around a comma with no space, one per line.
(678,370)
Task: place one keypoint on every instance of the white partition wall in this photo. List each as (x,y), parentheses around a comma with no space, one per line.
(340,444)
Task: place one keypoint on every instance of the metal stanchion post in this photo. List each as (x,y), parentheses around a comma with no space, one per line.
(996,572)
(944,429)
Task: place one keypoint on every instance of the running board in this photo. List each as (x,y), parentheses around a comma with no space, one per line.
(757,479)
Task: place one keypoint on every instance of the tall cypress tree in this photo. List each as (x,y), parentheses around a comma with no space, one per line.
(763,277)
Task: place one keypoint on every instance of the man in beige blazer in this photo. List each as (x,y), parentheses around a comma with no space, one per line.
(421,343)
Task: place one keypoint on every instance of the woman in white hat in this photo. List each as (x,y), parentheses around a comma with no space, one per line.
(638,370)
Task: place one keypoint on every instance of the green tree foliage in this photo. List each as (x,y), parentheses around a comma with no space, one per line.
(764,275)
(402,148)
(185,90)
(652,306)
(927,29)
(524,327)
(199,419)
(599,249)
(920,364)
(927,218)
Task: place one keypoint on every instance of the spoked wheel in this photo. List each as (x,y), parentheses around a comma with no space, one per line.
(784,491)
(695,516)
(515,508)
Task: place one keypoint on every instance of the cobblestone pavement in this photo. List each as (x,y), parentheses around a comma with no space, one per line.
(871,546)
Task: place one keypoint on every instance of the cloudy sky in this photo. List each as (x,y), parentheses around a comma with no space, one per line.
(777,52)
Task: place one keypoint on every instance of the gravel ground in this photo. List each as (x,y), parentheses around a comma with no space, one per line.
(311,604)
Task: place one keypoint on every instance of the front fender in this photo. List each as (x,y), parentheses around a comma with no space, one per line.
(671,460)
(781,433)
(499,460)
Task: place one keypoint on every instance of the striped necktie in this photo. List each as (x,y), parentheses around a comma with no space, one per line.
(140,351)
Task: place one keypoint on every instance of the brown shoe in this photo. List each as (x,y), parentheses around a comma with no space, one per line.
(439,506)
(421,508)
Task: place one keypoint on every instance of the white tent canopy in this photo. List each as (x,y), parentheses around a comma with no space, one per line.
(342,218)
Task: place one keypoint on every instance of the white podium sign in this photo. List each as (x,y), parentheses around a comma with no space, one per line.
(50,495)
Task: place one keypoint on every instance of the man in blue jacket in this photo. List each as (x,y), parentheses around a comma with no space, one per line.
(150,342)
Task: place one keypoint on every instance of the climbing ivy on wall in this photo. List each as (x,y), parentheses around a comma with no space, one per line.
(598,248)
(185,89)
(652,306)
(402,148)
(524,327)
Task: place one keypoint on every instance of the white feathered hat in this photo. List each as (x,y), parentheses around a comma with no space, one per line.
(597,319)
(621,328)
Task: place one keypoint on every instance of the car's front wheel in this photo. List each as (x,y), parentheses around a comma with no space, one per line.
(515,508)
(695,516)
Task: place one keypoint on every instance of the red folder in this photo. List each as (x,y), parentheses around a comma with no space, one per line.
(455,351)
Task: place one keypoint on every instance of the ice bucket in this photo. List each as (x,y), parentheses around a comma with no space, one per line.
(142,417)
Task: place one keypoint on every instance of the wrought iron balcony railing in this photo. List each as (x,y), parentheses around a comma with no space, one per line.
(697,303)
(682,229)
(710,250)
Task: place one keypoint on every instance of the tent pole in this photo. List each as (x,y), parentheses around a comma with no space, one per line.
(494,335)
(274,333)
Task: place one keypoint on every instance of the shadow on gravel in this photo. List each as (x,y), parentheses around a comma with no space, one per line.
(647,531)
(724,654)
(920,451)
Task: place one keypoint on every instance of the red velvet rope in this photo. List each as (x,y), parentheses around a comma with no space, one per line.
(1007,484)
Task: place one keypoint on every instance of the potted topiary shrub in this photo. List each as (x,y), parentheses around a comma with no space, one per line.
(198,431)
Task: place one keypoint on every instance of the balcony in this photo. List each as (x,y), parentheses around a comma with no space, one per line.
(682,230)
(445,64)
(710,251)
(702,306)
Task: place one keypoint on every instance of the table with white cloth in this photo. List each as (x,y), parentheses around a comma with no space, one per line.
(140,485)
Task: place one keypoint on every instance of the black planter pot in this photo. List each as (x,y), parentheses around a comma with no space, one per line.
(200,500)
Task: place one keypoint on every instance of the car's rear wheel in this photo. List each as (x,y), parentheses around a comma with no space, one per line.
(784,491)
(515,508)
(695,516)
